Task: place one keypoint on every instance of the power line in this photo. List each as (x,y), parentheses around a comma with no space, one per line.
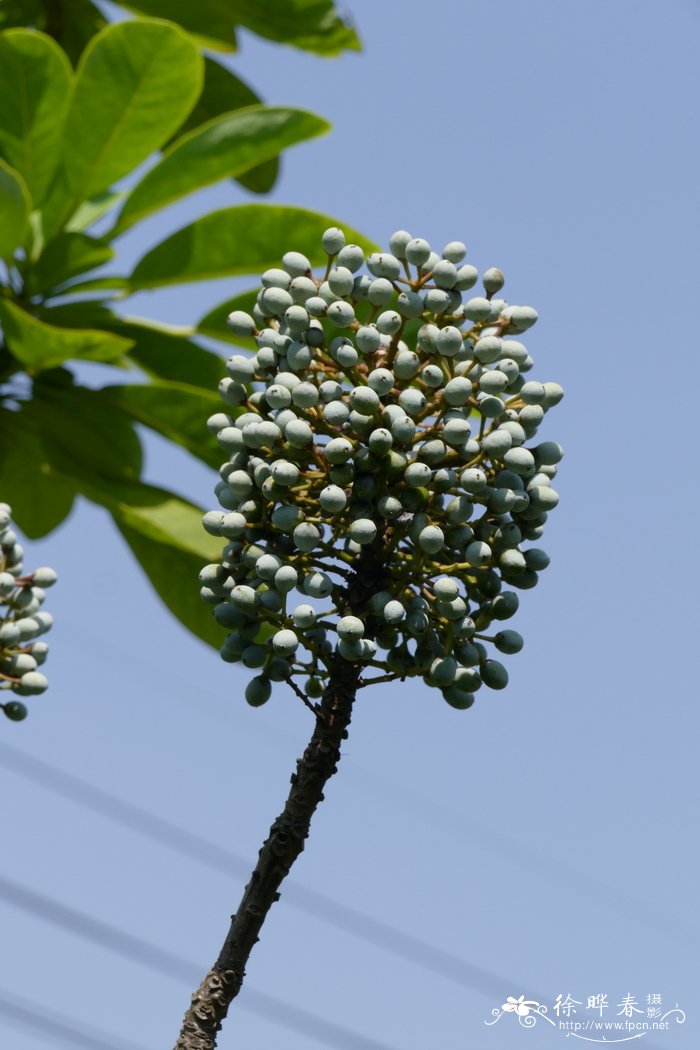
(548,866)
(312,902)
(167,963)
(57,1026)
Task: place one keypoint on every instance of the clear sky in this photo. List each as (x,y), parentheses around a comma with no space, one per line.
(545,842)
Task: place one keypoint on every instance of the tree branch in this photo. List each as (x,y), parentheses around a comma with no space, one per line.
(211,1002)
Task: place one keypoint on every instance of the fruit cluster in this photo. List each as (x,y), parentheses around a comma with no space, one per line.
(21,621)
(382,411)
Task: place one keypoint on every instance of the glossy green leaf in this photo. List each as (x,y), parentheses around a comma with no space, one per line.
(15,206)
(84,437)
(40,498)
(35,81)
(166,352)
(224,147)
(240,240)
(214,326)
(71,23)
(222,93)
(93,209)
(313,25)
(66,256)
(135,84)
(210,21)
(175,410)
(39,345)
(167,538)
(111,283)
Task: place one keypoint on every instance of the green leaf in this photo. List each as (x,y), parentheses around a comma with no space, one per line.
(166,352)
(224,147)
(73,23)
(135,84)
(222,93)
(175,410)
(210,21)
(84,437)
(110,283)
(39,345)
(35,80)
(40,498)
(214,326)
(15,206)
(66,256)
(313,25)
(93,209)
(167,538)
(240,240)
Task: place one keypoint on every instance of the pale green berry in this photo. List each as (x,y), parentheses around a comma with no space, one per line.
(403,430)
(241,323)
(432,376)
(553,394)
(286,579)
(381,264)
(478,553)
(296,264)
(380,441)
(389,322)
(332,499)
(346,356)
(431,539)
(336,413)
(240,368)
(493,381)
(285,642)
(487,349)
(333,240)
(393,611)
(266,566)
(301,289)
(338,450)
(410,304)
(389,507)
(493,279)
(304,396)
(341,314)
(494,674)
(233,524)
(521,317)
(380,292)
(406,364)
(455,251)
(258,691)
(286,517)
(467,276)
(457,391)
(315,306)
(442,671)
(381,380)
(367,339)
(398,242)
(318,585)
(417,251)
(306,536)
(298,433)
(520,460)
(341,280)
(536,559)
(364,400)
(362,531)
(350,628)
(456,431)
(412,401)
(547,453)
(446,589)
(417,475)
(44,577)
(490,406)
(32,683)
(449,341)
(304,616)
(477,309)
(532,393)
(437,300)
(351,256)
(497,443)
(232,392)
(445,274)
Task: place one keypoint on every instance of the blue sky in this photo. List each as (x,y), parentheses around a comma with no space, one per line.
(547,837)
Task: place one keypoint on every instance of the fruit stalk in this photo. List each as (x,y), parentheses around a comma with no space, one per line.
(211,1002)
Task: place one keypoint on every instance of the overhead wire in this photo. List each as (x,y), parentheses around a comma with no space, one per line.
(342,916)
(169,964)
(19,1011)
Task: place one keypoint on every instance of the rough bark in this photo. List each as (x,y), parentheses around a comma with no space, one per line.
(211,1002)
